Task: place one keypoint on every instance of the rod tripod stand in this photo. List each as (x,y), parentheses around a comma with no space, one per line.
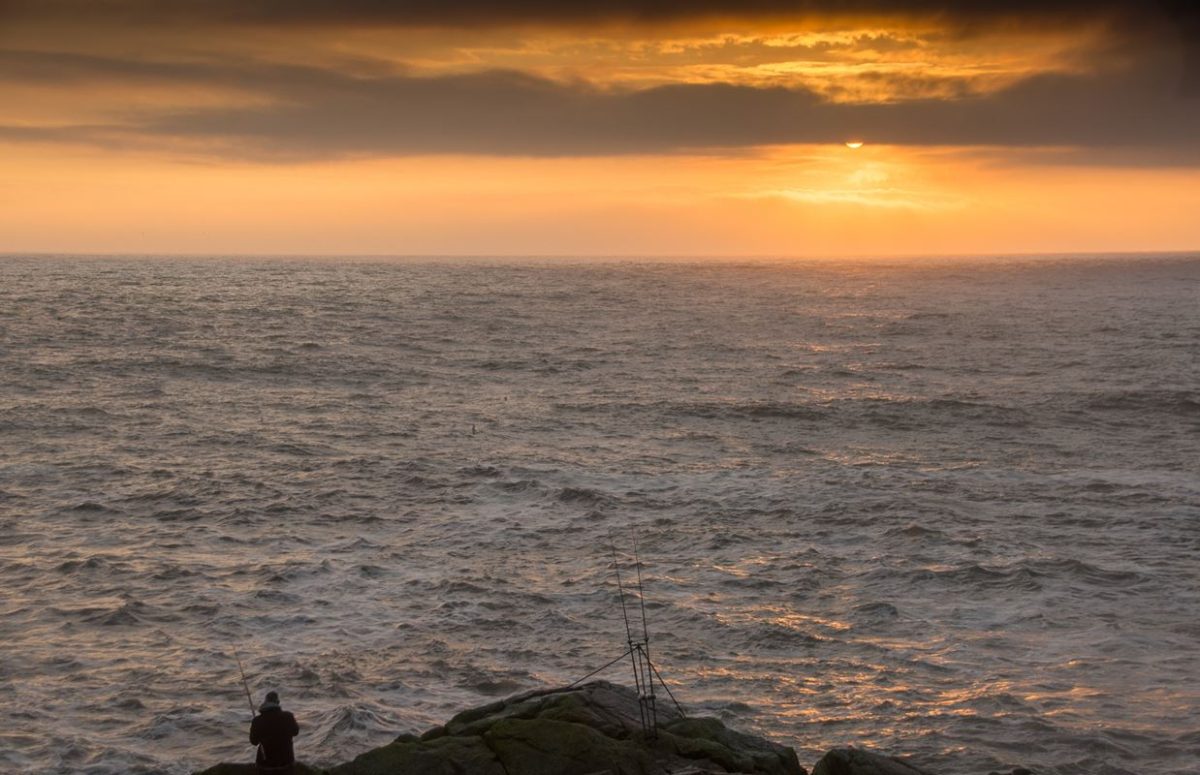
(643,678)
(644,672)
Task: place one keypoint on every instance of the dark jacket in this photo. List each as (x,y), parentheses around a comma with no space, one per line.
(273,730)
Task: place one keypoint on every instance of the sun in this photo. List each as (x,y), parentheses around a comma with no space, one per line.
(854,144)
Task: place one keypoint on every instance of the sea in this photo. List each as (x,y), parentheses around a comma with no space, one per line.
(943,508)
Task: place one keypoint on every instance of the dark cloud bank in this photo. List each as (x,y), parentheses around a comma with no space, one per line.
(486,12)
(1141,113)
(321,114)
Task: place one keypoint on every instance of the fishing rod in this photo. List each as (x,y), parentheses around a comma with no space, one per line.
(635,648)
(647,699)
(641,593)
(621,589)
(245,683)
(639,648)
(249,699)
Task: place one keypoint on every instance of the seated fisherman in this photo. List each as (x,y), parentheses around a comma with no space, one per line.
(272,731)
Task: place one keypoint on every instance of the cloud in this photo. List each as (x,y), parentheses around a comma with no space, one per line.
(309,113)
(879,198)
(1129,108)
(1129,18)
(457,13)
(313,113)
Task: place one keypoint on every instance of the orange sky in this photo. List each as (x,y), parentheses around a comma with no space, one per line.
(706,135)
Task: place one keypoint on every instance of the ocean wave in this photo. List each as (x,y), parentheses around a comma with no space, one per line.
(129,614)
(92,507)
(914,530)
(935,413)
(1179,403)
(875,613)
(1072,568)
(898,412)
(972,575)
(336,724)
(776,637)
(93,563)
(584,496)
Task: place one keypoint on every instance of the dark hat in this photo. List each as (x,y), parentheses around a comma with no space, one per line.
(273,697)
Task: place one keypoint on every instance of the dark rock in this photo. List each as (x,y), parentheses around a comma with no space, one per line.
(591,729)
(431,734)
(250,769)
(549,747)
(612,709)
(708,738)
(442,756)
(854,761)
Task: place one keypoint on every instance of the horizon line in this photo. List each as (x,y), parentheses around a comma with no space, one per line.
(1174,252)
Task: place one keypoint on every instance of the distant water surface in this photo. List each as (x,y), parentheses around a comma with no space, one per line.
(949,509)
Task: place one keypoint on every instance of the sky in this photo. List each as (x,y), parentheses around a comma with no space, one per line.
(629,127)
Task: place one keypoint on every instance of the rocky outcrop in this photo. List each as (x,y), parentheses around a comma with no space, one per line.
(855,761)
(594,728)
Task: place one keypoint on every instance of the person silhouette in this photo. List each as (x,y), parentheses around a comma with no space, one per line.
(272,731)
